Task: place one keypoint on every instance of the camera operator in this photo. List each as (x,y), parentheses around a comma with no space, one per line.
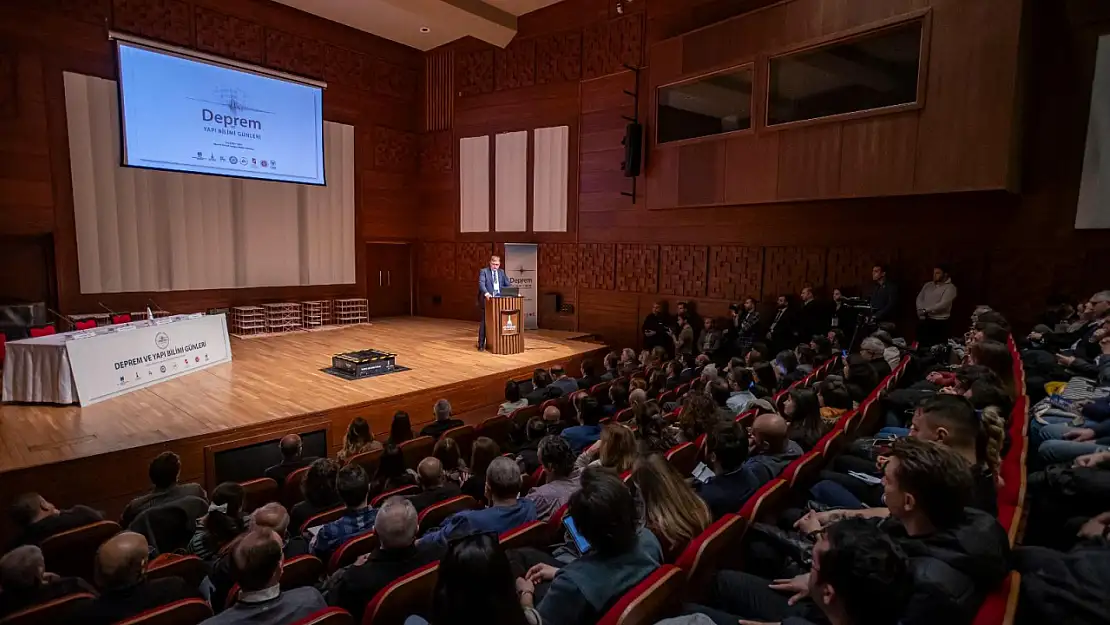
(884,297)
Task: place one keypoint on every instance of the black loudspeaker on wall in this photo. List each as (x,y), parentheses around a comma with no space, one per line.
(633,149)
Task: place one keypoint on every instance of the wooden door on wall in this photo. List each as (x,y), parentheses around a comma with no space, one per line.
(389,276)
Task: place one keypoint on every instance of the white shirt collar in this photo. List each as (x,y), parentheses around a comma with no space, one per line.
(259,596)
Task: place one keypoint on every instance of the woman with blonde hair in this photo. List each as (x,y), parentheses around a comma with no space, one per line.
(672,511)
(359,439)
(615,450)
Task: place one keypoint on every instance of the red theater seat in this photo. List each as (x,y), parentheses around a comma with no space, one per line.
(350,550)
(495,428)
(71,553)
(291,494)
(328,616)
(56,611)
(720,542)
(411,594)
(368,460)
(535,534)
(326,516)
(655,598)
(184,612)
(416,450)
(189,568)
(464,436)
(683,457)
(434,516)
(258,492)
(396,492)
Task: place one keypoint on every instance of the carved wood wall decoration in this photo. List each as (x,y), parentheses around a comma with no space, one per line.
(437,152)
(347,67)
(469,260)
(437,260)
(226,35)
(395,81)
(735,272)
(682,270)
(599,265)
(787,269)
(474,72)
(294,54)
(439,90)
(849,268)
(515,66)
(608,46)
(637,267)
(91,11)
(559,57)
(559,266)
(166,20)
(394,150)
(9,95)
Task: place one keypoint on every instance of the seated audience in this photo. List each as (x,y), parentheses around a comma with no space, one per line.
(257,565)
(392,472)
(120,572)
(443,422)
(542,389)
(36,519)
(673,371)
(807,359)
(24,581)
(612,367)
(482,453)
(871,349)
(657,383)
(786,370)
(397,555)
(771,448)
(164,471)
(554,422)
(560,380)
(711,339)
(615,450)
(434,485)
(718,390)
(618,399)
(803,412)
(221,525)
(697,417)
(652,432)
(319,492)
(353,486)
(834,399)
(558,465)
(764,374)
(292,458)
(822,349)
(359,439)
(589,378)
(891,354)
(527,453)
(672,511)
(400,429)
(620,556)
(726,449)
(506,509)
(513,400)
(271,516)
(588,431)
(740,383)
(449,454)
(859,377)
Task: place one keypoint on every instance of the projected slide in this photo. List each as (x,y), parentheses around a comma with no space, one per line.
(192,116)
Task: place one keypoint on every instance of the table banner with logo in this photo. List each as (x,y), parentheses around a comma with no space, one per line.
(520,266)
(107,364)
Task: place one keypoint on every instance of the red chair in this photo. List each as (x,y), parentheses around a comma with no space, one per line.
(258,492)
(408,595)
(682,389)
(497,428)
(683,457)
(71,553)
(43,331)
(124,318)
(520,416)
(351,549)
(832,444)
(539,477)
(658,596)
(720,542)
(189,568)
(328,616)
(87,324)
(464,436)
(56,611)
(183,612)
(396,492)
(291,494)
(667,397)
(433,516)
(623,415)
(766,501)
(301,571)
(600,391)
(1000,606)
(555,523)
(535,534)
(804,469)
(368,460)
(416,450)
(872,415)
(326,516)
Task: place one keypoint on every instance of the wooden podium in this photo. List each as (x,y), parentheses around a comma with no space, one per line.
(504,332)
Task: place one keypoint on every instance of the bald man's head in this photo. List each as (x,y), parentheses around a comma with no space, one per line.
(430,471)
(257,559)
(638,396)
(273,516)
(120,560)
(290,446)
(21,569)
(551,414)
(769,433)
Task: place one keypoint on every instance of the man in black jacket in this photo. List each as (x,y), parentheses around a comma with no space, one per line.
(443,422)
(434,485)
(884,297)
(38,519)
(783,331)
(654,328)
(813,316)
(541,388)
(292,459)
(26,583)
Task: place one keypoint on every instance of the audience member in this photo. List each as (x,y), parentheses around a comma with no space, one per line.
(400,429)
(527,453)
(589,378)
(612,367)
(257,560)
(482,453)
(566,384)
(822,348)
(513,400)
(684,339)
(506,509)
(655,328)
(222,524)
(859,377)
(843,317)
(934,308)
(726,449)
(783,331)
(711,339)
(786,370)
(891,354)
(745,326)
(24,581)
(884,296)
(697,417)
(652,432)
(353,486)
(554,421)
(834,399)
(672,511)
(271,516)
(740,383)
(434,485)
(807,359)
(164,471)
(618,398)
(718,390)
(475,585)
(542,389)
(397,554)
(443,420)
(359,439)
(813,318)
(765,378)
(392,472)
(871,349)
(292,458)
(37,519)
(319,492)
(588,431)
(615,450)
(120,572)
(558,465)
(449,454)
(803,412)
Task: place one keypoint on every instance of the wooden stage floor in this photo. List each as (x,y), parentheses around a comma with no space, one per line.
(276,378)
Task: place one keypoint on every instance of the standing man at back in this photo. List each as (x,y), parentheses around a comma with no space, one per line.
(884,297)
(491,281)
(934,308)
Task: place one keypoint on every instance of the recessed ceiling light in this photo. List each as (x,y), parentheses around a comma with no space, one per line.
(425,29)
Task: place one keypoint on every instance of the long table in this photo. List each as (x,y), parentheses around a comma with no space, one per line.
(88,366)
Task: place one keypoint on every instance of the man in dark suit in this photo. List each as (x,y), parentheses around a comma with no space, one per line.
(542,390)
(813,319)
(434,485)
(884,298)
(783,331)
(291,449)
(491,281)
(443,422)
(38,519)
(26,583)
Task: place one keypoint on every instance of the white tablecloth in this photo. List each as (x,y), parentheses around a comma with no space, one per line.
(37,370)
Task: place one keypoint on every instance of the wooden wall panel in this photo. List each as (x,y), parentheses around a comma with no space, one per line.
(598,265)
(701,174)
(227,35)
(474,73)
(787,269)
(751,169)
(469,260)
(637,268)
(735,272)
(614,317)
(558,265)
(609,46)
(558,57)
(877,155)
(683,270)
(295,54)
(515,65)
(166,20)
(849,268)
(809,162)
(436,260)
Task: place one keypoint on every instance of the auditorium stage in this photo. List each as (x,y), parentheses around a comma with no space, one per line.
(271,382)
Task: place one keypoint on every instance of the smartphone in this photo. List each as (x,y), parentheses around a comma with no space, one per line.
(579,540)
(844,353)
